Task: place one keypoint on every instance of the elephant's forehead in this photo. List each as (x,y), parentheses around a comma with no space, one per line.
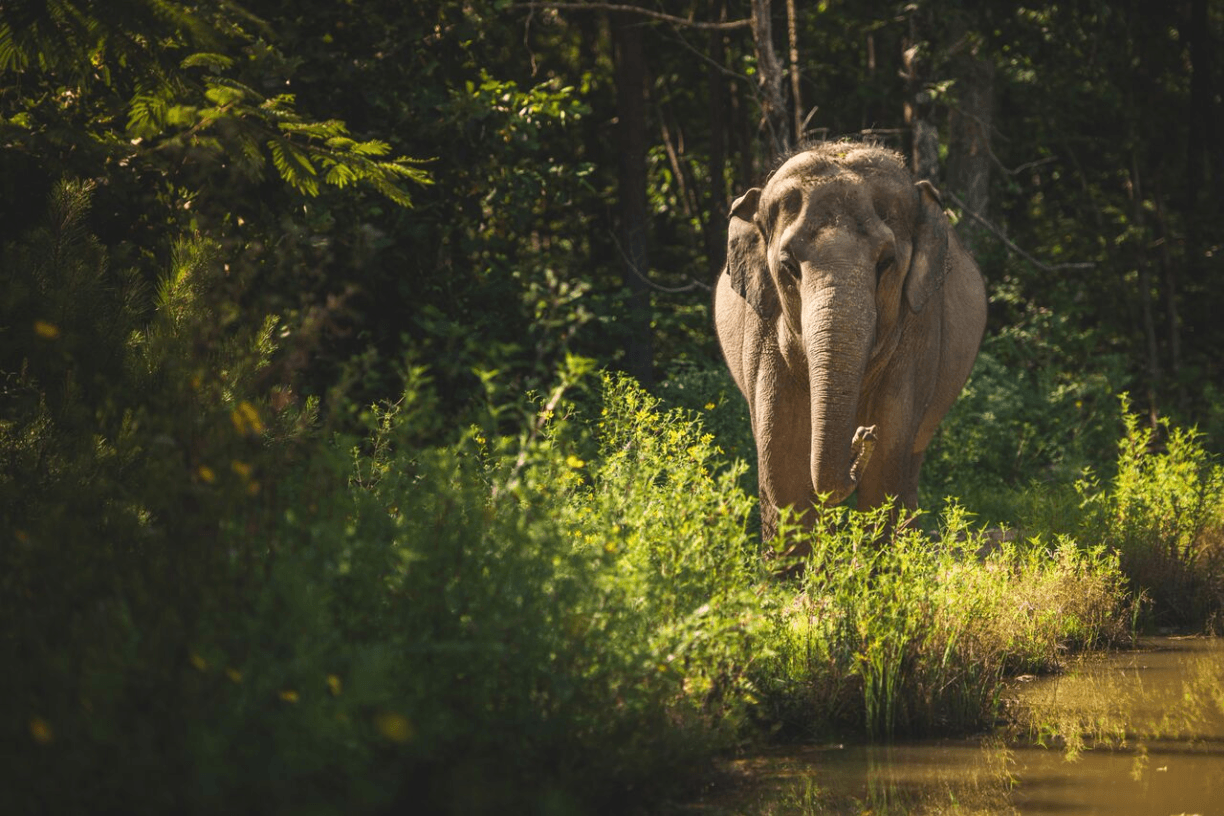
(820,195)
(809,168)
(806,179)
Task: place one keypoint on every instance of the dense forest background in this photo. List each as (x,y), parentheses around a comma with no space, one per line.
(572,165)
(300,305)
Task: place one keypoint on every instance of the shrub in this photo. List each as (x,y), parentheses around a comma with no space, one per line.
(1031,414)
(1164,513)
(381,623)
(139,442)
(711,394)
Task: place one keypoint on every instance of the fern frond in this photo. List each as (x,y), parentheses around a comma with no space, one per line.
(231,88)
(213,62)
(290,162)
(147,114)
(12,56)
(329,129)
(340,175)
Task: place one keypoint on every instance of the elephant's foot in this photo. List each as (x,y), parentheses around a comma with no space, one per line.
(860,451)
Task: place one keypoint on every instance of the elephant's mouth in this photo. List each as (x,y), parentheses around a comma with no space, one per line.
(861,447)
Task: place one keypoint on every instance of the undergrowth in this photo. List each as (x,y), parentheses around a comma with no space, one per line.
(1163,511)
(575,616)
(913,635)
(214,600)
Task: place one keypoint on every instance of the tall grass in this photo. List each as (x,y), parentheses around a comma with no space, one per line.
(914,634)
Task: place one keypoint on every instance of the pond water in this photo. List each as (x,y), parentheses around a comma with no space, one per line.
(1137,732)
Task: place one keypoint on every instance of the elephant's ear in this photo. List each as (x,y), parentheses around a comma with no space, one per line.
(746,256)
(931,260)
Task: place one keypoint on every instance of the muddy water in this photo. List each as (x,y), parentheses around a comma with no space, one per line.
(1131,733)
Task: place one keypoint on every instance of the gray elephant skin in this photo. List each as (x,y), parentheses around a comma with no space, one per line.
(850,316)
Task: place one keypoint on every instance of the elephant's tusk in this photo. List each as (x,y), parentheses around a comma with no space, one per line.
(860,449)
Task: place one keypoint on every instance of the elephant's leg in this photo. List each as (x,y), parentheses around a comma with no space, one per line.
(782,426)
(907,489)
(895,485)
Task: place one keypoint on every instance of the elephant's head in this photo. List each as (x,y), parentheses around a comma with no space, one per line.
(841,250)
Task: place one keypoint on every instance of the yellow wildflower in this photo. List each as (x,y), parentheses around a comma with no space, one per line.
(334,683)
(45,330)
(393,726)
(289,696)
(41,731)
(246,419)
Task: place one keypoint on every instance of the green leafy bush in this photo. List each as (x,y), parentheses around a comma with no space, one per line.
(1164,512)
(137,427)
(378,624)
(1032,415)
(711,394)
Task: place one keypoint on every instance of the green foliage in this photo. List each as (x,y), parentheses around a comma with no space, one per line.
(669,526)
(1030,414)
(905,634)
(86,65)
(1163,511)
(228,583)
(136,429)
(370,626)
(712,395)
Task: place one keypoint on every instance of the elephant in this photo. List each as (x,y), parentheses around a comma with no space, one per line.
(850,316)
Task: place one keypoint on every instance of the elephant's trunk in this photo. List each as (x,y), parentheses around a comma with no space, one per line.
(839,330)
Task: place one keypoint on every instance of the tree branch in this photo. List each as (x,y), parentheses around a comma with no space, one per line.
(667,290)
(730,25)
(1007,243)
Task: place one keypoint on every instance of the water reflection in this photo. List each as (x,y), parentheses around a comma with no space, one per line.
(1132,733)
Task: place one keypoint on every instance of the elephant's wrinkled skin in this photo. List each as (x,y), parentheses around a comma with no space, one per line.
(850,316)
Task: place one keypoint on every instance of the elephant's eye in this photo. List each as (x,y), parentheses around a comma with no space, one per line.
(789,266)
(883,264)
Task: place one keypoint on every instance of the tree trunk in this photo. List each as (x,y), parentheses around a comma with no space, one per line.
(969,156)
(792,40)
(1201,211)
(1145,293)
(631,189)
(716,205)
(918,112)
(773,101)
(1172,299)
(743,145)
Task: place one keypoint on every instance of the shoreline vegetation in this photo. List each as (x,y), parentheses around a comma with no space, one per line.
(580,617)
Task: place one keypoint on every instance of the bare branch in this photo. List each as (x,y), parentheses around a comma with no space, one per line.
(1007,243)
(667,290)
(701,55)
(730,25)
(1023,167)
